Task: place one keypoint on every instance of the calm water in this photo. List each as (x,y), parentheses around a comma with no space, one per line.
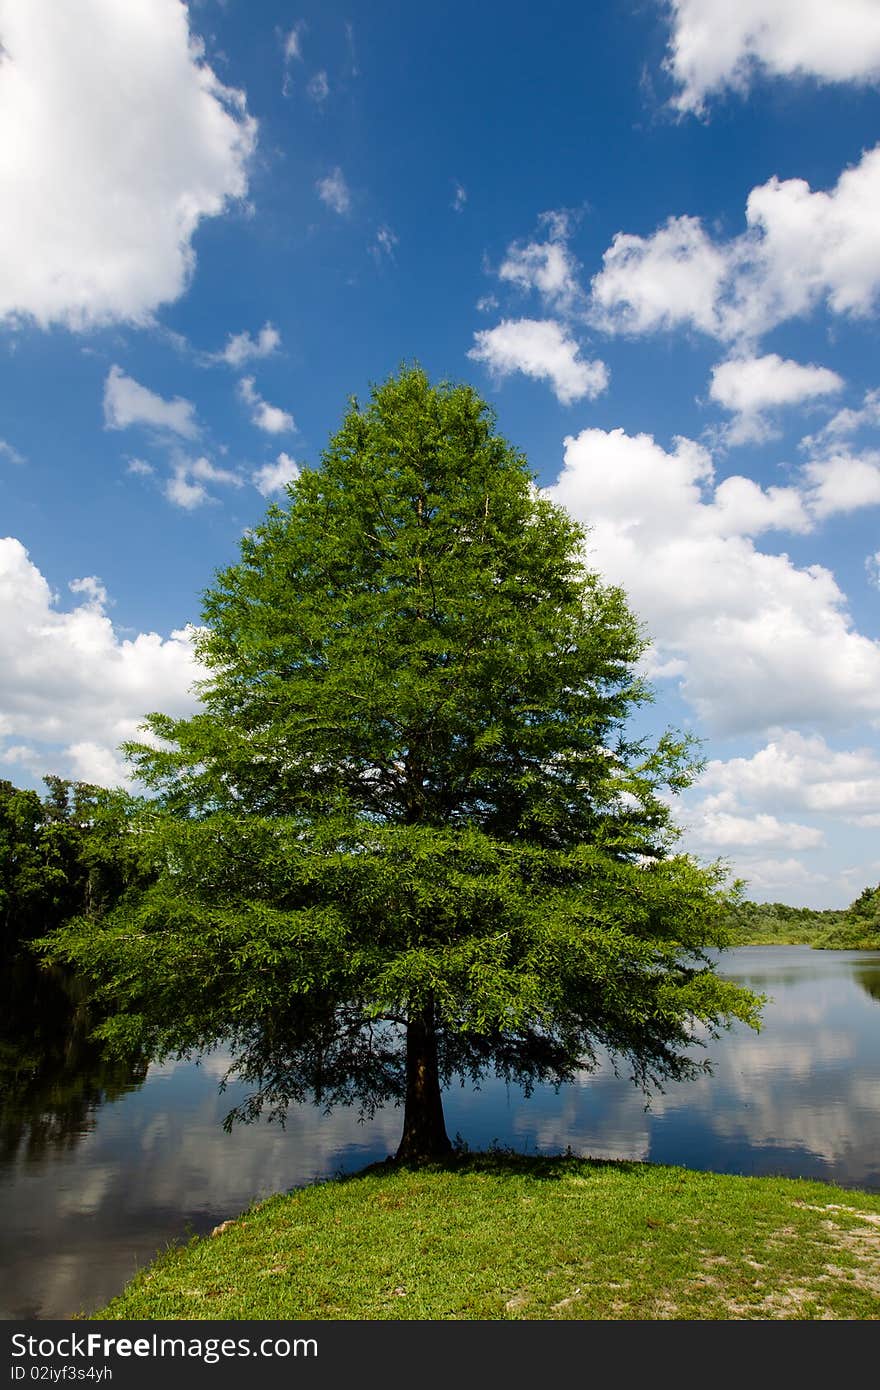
(99,1169)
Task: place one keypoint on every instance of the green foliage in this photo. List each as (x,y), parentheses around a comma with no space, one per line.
(854,928)
(60,856)
(409,803)
(859,926)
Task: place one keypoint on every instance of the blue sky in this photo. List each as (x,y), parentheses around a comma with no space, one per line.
(646,231)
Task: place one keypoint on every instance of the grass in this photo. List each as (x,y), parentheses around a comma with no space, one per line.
(499,1236)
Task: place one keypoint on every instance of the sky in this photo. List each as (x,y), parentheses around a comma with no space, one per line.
(646,231)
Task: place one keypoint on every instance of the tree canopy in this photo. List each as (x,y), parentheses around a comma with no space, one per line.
(58,857)
(408,836)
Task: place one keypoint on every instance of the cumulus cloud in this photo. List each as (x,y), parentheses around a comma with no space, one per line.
(71,688)
(841,481)
(459,197)
(542,349)
(545,266)
(799,772)
(782,880)
(758,641)
(182,492)
(847,422)
(120,141)
(128,403)
(720,831)
(333,190)
(274,477)
(838,476)
(815,246)
(241,347)
(716,45)
(270,418)
(750,386)
(801,249)
(185,488)
(673,278)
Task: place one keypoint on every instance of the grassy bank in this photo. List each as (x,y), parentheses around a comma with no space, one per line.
(506,1237)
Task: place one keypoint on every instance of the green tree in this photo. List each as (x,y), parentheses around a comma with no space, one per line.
(407,837)
(23,888)
(59,856)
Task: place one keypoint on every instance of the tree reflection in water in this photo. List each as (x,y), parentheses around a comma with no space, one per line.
(53,1075)
(866,973)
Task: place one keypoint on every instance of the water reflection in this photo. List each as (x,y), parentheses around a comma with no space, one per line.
(90,1191)
(866,974)
(53,1077)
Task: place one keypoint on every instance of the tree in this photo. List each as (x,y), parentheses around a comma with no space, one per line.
(407,836)
(55,856)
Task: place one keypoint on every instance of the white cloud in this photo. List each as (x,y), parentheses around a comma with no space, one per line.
(799,772)
(673,278)
(812,247)
(749,386)
(91,762)
(837,477)
(760,642)
(781,880)
(843,482)
(741,508)
(274,477)
(241,347)
(542,349)
(69,682)
(720,830)
(127,403)
(119,140)
(459,198)
(847,422)
(270,418)
(186,486)
(91,586)
(872,565)
(185,494)
(801,249)
(140,467)
(318,88)
(717,44)
(546,266)
(333,190)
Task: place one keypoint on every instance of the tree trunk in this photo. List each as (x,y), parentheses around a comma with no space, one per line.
(424,1129)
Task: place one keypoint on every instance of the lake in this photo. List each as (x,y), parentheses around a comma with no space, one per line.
(102,1166)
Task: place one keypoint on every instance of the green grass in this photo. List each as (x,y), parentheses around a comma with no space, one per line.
(499,1236)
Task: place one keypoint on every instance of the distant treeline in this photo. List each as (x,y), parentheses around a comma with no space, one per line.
(856,927)
(61,855)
